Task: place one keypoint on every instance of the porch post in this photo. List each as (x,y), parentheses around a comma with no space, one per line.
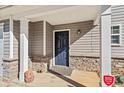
(23,48)
(105,43)
(11,37)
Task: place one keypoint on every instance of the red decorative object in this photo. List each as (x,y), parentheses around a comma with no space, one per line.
(109,80)
(29,76)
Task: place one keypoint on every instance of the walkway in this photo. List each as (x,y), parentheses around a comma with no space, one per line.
(78,78)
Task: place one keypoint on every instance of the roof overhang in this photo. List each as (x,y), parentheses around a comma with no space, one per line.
(54,14)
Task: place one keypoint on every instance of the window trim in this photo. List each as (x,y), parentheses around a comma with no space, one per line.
(120,30)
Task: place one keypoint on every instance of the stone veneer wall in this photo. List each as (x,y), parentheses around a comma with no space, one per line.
(117,66)
(39,63)
(85,63)
(10,66)
(93,64)
(10,69)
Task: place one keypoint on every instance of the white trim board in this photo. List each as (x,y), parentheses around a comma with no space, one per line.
(105,46)
(53,59)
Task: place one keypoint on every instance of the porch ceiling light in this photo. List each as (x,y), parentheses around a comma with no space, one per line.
(78,32)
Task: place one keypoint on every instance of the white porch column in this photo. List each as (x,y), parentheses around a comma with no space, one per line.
(23,48)
(11,37)
(106,43)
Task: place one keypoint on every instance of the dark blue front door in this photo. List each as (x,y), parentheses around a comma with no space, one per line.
(62,48)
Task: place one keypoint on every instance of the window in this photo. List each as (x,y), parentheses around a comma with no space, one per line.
(116,35)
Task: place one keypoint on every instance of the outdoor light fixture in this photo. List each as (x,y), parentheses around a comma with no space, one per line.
(78,31)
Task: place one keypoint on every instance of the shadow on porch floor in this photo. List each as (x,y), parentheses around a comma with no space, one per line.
(52,79)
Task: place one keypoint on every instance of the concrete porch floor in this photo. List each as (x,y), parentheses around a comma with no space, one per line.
(88,79)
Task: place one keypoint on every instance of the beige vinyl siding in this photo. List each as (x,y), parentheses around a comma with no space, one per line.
(16,38)
(118,18)
(49,39)
(36,38)
(6,37)
(85,44)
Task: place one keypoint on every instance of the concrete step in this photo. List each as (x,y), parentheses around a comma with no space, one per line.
(63,70)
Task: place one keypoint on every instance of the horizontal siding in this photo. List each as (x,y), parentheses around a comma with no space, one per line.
(6,37)
(86,44)
(118,18)
(49,39)
(36,38)
(16,39)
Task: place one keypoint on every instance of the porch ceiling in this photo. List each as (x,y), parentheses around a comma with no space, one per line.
(68,15)
(23,10)
(54,14)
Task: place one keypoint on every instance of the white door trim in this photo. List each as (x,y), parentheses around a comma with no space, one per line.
(61,30)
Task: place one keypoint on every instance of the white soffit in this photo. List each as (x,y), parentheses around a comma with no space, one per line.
(23,10)
(54,14)
(68,15)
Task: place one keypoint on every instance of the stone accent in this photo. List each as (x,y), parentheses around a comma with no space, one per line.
(93,64)
(10,69)
(10,66)
(117,66)
(39,64)
(85,63)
